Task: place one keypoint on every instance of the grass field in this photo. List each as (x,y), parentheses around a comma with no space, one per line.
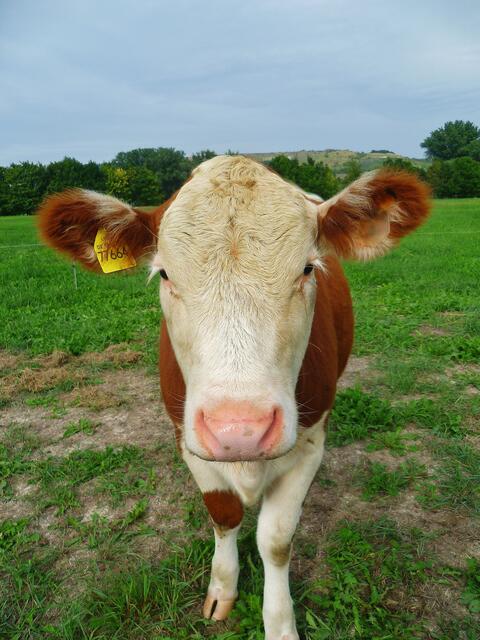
(102,531)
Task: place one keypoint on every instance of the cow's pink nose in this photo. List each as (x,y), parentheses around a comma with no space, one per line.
(239,430)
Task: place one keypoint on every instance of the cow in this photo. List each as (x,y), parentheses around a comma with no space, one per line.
(258,327)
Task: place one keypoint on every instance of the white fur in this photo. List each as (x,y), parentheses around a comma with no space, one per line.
(106,205)
(234,244)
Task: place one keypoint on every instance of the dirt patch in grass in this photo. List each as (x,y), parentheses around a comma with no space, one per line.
(462,369)
(358,370)
(452,314)
(37,380)
(44,373)
(9,360)
(15,508)
(429,330)
(437,601)
(470,390)
(54,359)
(96,398)
(116,354)
(334,496)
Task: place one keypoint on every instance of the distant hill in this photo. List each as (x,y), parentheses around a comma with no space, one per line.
(337,158)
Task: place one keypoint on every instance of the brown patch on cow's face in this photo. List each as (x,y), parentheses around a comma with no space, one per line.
(225,508)
(234,251)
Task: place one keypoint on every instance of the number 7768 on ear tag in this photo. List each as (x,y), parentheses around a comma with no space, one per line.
(112,258)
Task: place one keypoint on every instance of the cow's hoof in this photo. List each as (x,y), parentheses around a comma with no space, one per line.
(217,609)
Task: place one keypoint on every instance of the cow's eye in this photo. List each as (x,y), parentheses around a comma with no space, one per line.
(163,274)
(308,269)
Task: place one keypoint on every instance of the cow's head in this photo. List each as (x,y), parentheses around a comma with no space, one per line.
(236,250)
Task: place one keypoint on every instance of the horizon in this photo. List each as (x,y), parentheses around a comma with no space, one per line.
(285,152)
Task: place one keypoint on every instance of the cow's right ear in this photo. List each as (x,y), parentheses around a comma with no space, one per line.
(69,222)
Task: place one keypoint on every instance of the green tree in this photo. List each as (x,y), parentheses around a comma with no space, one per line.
(459,178)
(472,150)
(286,167)
(3,192)
(314,177)
(170,165)
(201,156)
(453,140)
(405,165)
(69,172)
(353,170)
(465,178)
(24,186)
(93,177)
(117,182)
(64,174)
(144,187)
(439,176)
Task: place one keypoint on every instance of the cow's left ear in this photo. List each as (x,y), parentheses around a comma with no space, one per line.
(370,216)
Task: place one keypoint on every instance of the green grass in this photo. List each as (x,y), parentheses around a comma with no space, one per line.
(373,569)
(44,311)
(28,584)
(100,530)
(356,415)
(152,599)
(471,593)
(60,477)
(395,441)
(82,426)
(376,479)
(16,448)
(411,286)
(456,483)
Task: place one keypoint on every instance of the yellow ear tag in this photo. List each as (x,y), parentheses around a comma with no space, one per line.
(112,258)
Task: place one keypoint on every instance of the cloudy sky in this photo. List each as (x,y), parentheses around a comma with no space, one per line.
(89,78)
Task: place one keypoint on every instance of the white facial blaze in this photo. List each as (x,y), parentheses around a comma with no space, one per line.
(234,244)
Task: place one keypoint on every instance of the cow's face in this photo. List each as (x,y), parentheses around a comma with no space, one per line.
(237,251)
(234,249)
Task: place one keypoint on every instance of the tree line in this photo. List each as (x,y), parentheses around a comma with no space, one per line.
(140,177)
(149,176)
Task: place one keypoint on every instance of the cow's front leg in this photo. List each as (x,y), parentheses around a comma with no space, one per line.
(278,519)
(226,511)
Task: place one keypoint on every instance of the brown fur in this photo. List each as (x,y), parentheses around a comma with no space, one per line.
(346,225)
(69,222)
(280,554)
(224,507)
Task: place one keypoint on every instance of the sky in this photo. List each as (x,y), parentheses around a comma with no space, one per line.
(90,78)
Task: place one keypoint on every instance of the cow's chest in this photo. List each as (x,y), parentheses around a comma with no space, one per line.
(250,480)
